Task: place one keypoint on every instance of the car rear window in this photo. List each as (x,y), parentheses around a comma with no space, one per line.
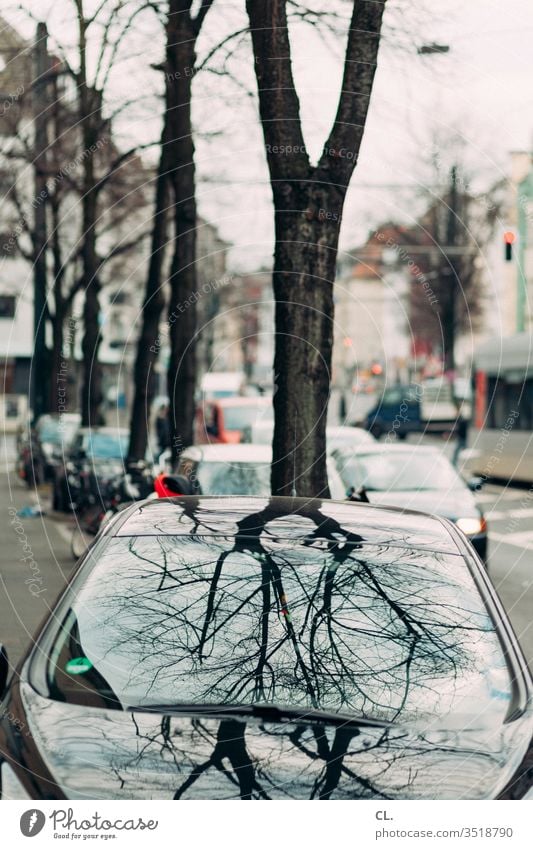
(382,632)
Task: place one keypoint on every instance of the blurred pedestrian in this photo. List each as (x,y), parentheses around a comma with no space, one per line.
(461,433)
(162,428)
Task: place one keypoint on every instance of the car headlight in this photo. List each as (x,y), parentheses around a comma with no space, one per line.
(12,789)
(471,526)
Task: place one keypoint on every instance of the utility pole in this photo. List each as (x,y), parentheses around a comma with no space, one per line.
(448,329)
(39,394)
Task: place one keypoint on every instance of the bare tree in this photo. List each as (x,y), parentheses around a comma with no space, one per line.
(175,200)
(308,202)
(183,29)
(447,292)
(89,190)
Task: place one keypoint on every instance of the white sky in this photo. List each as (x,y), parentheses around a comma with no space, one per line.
(480,92)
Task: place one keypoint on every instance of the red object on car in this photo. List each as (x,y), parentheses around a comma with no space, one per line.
(168,486)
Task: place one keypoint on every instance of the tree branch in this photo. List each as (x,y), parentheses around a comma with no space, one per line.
(342,147)
(279,106)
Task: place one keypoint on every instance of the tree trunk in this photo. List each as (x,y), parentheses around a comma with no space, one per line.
(308,204)
(148,345)
(181,379)
(58,364)
(450,273)
(90,117)
(304,273)
(39,389)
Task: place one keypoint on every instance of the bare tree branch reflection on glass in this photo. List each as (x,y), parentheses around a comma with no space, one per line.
(303,614)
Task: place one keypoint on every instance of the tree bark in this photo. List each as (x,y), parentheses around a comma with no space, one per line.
(308,203)
(182,32)
(90,117)
(148,346)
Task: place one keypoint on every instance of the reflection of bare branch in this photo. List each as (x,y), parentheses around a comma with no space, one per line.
(323,620)
(230,744)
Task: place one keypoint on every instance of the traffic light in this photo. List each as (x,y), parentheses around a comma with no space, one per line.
(508,238)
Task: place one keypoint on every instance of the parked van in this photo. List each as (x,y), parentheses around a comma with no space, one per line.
(416,407)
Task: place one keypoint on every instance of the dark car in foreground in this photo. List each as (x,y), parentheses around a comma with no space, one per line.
(415,477)
(271,648)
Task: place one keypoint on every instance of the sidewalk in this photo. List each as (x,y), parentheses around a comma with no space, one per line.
(35,562)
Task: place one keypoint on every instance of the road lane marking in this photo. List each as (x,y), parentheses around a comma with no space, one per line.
(524,539)
(487,497)
(521,513)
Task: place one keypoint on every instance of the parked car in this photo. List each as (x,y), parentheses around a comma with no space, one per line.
(416,477)
(222,384)
(227,419)
(257,648)
(235,470)
(337,436)
(99,452)
(414,408)
(41,449)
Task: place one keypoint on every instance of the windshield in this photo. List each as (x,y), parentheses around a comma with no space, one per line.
(237,418)
(399,472)
(380,632)
(348,439)
(56,431)
(234,478)
(106,446)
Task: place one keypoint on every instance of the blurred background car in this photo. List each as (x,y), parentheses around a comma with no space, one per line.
(99,453)
(337,436)
(41,448)
(421,407)
(415,477)
(237,470)
(227,420)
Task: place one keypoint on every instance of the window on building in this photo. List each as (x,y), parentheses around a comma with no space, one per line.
(7,306)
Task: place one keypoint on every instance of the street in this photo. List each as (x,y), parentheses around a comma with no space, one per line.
(510,556)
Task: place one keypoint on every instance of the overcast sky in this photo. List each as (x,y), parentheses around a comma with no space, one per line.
(478,96)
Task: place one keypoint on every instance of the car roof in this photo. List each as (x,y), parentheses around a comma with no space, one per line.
(247,452)
(294,519)
(385,448)
(242,401)
(108,431)
(347,430)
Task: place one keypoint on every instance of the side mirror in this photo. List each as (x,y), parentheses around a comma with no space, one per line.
(178,484)
(475,484)
(4,670)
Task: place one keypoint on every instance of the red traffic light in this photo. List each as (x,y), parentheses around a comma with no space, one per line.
(509,240)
